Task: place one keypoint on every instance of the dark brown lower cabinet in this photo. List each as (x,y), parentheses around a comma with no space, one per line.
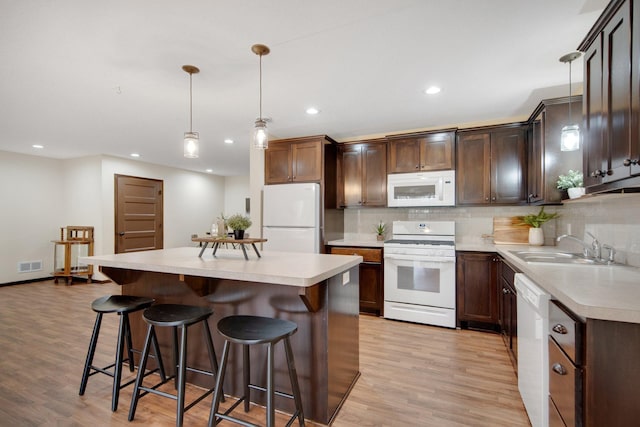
(371,277)
(476,290)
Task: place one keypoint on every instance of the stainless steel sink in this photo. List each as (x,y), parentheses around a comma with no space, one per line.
(555,258)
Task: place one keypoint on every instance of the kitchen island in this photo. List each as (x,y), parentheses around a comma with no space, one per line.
(319,292)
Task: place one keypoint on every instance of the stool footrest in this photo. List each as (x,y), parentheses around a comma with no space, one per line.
(276,392)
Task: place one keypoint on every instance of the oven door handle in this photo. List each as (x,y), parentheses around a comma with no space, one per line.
(422,258)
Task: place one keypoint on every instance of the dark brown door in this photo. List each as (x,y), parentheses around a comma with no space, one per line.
(352,174)
(436,151)
(277,163)
(374,174)
(306,160)
(404,156)
(139,214)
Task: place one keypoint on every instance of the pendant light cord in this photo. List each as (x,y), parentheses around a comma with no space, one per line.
(570,120)
(260,87)
(191,102)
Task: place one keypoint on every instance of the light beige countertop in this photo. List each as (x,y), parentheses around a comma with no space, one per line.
(282,268)
(596,292)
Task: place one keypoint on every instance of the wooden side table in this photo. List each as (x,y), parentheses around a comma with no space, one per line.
(218,240)
(74,241)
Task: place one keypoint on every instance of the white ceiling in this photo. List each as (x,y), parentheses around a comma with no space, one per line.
(104,77)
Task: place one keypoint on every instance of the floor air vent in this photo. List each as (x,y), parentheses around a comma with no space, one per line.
(29,266)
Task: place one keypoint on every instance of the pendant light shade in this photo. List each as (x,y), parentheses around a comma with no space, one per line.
(260,131)
(191,138)
(570,134)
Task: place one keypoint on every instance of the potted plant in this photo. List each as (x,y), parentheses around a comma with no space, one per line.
(572,182)
(238,224)
(535,221)
(381,228)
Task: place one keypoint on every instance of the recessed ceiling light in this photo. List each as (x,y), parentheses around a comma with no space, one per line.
(38,146)
(312,111)
(135,155)
(432,90)
(209,170)
(228,141)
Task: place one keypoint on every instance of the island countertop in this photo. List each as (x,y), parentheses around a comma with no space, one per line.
(282,268)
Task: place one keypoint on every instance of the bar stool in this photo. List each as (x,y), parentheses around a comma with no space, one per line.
(123,305)
(176,316)
(252,330)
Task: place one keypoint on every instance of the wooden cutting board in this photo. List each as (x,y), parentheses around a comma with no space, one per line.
(509,230)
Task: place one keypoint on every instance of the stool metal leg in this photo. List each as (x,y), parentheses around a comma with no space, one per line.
(246,376)
(181,374)
(215,405)
(143,366)
(156,351)
(212,351)
(174,356)
(293,375)
(270,409)
(117,369)
(127,334)
(90,354)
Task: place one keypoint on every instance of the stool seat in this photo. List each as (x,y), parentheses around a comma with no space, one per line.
(176,314)
(120,304)
(255,329)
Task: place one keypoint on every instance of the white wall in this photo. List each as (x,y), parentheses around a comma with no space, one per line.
(31,190)
(39,195)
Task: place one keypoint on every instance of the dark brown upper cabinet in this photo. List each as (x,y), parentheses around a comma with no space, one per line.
(611,105)
(295,160)
(427,151)
(545,160)
(362,174)
(491,165)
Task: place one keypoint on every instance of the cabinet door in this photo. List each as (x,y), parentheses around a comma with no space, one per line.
(404,155)
(473,168)
(371,288)
(635,93)
(593,115)
(617,94)
(351,174)
(477,294)
(508,166)
(277,164)
(374,174)
(306,161)
(437,151)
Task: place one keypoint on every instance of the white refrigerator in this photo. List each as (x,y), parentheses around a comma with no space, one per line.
(291,217)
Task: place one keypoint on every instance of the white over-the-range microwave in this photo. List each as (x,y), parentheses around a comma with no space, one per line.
(433,188)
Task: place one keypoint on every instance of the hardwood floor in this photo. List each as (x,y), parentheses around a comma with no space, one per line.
(412,375)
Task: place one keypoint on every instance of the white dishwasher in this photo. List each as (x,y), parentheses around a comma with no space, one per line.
(533,357)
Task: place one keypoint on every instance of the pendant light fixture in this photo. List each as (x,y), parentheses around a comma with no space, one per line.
(570,136)
(260,132)
(191,138)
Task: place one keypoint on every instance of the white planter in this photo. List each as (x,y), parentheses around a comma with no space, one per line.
(575,192)
(536,236)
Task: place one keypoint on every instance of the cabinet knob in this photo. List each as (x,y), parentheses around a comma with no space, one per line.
(417,166)
(559,369)
(597,173)
(505,291)
(486,199)
(121,233)
(629,162)
(559,329)
(493,198)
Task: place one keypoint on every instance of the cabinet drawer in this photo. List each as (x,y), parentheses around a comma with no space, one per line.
(566,331)
(565,385)
(367,254)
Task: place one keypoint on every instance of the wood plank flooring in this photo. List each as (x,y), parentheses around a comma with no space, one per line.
(412,375)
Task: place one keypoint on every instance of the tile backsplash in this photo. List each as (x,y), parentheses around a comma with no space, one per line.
(611,218)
